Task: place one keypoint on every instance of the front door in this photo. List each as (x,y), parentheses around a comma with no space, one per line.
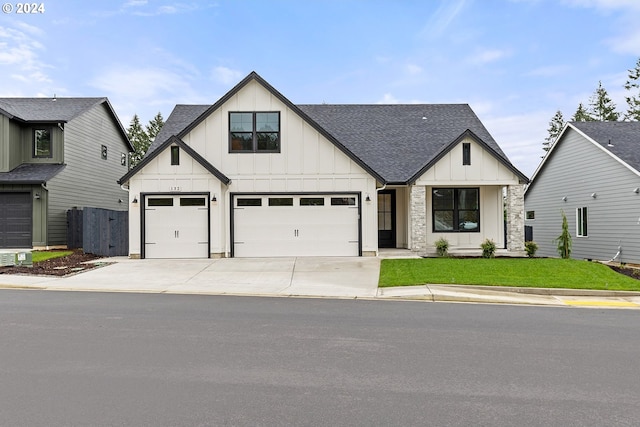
(387,219)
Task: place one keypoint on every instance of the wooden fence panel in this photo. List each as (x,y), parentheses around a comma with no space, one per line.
(99,231)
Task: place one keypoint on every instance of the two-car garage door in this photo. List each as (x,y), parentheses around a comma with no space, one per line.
(296,225)
(262,225)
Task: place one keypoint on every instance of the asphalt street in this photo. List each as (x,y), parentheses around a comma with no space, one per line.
(103,359)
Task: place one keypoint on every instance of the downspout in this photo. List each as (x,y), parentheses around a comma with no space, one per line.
(618,254)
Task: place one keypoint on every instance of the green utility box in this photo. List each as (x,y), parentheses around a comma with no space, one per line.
(24,259)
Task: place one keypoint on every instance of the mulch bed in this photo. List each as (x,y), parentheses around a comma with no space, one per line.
(61,266)
(634,273)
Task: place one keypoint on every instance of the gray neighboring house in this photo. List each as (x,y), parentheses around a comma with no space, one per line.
(57,154)
(592,173)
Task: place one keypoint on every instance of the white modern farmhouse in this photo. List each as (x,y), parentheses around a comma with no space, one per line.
(254,175)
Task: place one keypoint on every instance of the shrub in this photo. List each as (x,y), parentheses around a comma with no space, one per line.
(488,248)
(564,239)
(442,247)
(530,248)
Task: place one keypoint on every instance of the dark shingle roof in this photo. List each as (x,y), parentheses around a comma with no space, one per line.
(181,117)
(624,138)
(29,173)
(57,110)
(47,109)
(394,143)
(394,140)
(398,140)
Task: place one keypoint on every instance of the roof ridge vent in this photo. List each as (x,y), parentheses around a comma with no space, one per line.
(609,144)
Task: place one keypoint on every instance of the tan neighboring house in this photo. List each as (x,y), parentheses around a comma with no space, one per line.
(254,175)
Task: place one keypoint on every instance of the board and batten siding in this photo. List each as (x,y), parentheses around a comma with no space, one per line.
(485,172)
(12,142)
(307,162)
(88,180)
(576,170)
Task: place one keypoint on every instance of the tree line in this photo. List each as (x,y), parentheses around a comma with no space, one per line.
(142,137)
(600,108)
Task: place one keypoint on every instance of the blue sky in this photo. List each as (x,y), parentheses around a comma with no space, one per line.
(514,61)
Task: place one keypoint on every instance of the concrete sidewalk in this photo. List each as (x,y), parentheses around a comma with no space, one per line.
(330,277)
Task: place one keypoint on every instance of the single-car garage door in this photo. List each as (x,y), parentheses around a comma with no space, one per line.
(176,226)
(296,225)
(15,220)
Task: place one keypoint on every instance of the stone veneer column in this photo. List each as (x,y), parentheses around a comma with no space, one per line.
(418,208)
(515,217)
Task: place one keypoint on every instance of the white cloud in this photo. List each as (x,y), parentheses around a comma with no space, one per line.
(20,56)
(520,136)
(226,75)
(413,69)
(549,71)
(387,98)
(486,56)
(605,4)
(442,18)
(145,91)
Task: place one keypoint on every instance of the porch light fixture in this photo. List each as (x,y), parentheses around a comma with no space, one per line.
(636,190)
(36,196)
(564,199)
(135,200)
(214,198)
(368,199)
(594,195)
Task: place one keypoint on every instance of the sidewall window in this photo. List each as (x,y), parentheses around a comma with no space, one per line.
(455,210)
(581,222)
(42,143)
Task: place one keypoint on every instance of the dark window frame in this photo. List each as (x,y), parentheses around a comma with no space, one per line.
(530,215)
(582,220)
(455,210)
(254,134)
(34,145)
(466,153)
(175,155)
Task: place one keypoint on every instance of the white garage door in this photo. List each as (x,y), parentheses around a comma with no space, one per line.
(295,225)
(176,226)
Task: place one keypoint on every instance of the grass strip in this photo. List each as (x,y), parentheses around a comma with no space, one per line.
(38,256)
(522,272)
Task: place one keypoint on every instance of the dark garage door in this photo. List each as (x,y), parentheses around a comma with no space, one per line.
(15,220)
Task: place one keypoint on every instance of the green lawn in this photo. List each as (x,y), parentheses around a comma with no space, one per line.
(38,256)
(522,272)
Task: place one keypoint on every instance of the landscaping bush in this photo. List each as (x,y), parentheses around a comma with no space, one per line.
(488,248)
(564,239)
(530,248)
(442,247)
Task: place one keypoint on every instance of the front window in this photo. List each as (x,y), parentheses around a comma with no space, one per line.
(456,209)
(254,132)
(42,143)
(581,222)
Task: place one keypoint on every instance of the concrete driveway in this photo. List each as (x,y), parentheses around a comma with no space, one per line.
(348,277)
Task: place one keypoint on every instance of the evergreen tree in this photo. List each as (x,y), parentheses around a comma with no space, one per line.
(582,115)
(633,101)
(154,126)
(602,107)
(555,127)
(139,139)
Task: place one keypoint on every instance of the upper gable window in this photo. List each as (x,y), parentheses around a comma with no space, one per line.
(254,132)
(466,153)
(42,143)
